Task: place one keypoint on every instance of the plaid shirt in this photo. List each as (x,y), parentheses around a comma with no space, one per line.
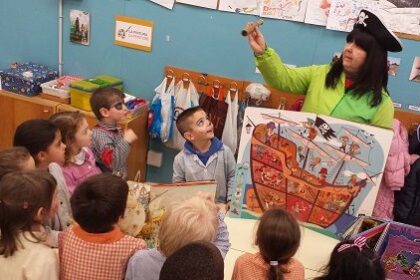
(110,148)
(253,267)
(101,256)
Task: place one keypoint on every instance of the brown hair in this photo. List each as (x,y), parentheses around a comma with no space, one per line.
(278,238)
(22,194)
(68,123)
(103,98)
(183,123)
(99,202)
(12,159)
(192,220)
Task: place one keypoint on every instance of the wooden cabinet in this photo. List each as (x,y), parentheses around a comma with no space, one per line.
(15,109)
(138,153)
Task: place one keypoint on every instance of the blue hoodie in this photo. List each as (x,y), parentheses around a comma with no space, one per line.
(215,146)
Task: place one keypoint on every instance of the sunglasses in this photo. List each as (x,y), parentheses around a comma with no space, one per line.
(118,105)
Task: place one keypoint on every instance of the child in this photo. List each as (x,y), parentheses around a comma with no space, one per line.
(197,260)
(96,248)
(204,156)
(353,260)
(27,200)
(110,145)
(79,161)
(43,141)
(14,159)
(192,220)
(278,239)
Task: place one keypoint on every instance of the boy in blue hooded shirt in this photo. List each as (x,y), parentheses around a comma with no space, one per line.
(204,157)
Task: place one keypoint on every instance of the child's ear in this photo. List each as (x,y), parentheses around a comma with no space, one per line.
(189,136)
(40,215)
(104,112)
(41,156)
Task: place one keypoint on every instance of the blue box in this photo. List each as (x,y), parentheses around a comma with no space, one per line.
(26,78)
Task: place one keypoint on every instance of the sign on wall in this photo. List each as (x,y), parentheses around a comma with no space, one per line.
(133,33)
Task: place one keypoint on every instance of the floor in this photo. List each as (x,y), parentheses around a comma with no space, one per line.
(313,253)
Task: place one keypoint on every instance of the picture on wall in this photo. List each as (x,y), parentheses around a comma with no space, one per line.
(79,27)
(324,170)
(393,65)
(415,70)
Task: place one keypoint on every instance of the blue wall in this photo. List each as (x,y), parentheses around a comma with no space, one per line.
(200,39)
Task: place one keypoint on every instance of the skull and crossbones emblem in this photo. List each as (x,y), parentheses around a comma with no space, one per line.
(361,19)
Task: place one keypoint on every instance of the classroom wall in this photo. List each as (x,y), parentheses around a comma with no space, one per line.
(199,39)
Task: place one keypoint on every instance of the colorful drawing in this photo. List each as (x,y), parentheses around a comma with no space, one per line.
(251,7)
(324,170)
(284,9)
(79,27)
(317,12)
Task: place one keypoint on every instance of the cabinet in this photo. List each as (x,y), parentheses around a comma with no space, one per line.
(15,109)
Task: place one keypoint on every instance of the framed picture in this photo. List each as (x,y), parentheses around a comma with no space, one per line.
(79,27)
(133,33)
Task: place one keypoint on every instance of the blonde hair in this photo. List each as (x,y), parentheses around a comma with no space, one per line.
(192,220)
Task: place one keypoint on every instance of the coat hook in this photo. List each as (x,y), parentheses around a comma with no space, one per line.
(170,73)
(186,77)
(233,87)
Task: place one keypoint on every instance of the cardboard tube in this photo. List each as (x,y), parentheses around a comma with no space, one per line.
(251,27)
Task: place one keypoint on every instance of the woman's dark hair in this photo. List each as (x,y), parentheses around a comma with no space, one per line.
(99,202)
(12,159)
(22,194)
(278,238)
(35,135)
(353,264)
(373,77)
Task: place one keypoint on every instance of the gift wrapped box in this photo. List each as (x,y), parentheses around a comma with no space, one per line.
(26,78)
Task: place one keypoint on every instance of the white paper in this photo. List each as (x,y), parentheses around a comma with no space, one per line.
(211,4)
(284,9)
(241,6)
(165,3)
(317,12)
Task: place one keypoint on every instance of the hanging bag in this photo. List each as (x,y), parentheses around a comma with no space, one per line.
(215,107)
(230,133)
(167,110)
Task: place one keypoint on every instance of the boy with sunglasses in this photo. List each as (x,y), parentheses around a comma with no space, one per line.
(111,145)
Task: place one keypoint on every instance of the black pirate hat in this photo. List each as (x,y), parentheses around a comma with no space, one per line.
(367,21)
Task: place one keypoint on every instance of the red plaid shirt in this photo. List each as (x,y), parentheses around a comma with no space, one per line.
(102,256)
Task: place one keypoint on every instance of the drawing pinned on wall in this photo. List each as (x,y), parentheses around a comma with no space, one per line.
(415,70)
(284,9)
(324,170)
(393,65)
(317,12)
(210,4)
(251,7)
(165,3)
(79,27)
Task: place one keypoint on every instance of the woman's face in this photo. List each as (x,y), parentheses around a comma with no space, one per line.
(353,58)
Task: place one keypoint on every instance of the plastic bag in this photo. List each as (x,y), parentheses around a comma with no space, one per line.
(163,117)
(230,133)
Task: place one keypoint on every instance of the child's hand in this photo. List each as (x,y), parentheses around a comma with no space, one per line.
(129,136)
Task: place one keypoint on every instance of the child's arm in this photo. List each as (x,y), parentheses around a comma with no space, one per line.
(112,152)
(178,169)
(222,237)
(230,173)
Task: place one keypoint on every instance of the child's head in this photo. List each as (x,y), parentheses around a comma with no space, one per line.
(192,220)
(43,141)
(14,159)
(27,200)
(194,125)
(75,132)
(197,260)
(99,202)
(353,260)
(108,104)
(278,238)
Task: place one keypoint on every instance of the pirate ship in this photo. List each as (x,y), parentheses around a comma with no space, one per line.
(291,169)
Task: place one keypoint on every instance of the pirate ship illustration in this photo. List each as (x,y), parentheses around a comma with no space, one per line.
(308,167)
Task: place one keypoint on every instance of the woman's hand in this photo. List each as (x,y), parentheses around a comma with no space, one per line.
(256,41)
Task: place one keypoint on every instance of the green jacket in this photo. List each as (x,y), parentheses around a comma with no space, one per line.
(319,99)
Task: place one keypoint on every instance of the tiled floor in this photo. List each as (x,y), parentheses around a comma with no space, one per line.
(313,253)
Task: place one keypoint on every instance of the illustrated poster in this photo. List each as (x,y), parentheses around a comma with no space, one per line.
(284,9)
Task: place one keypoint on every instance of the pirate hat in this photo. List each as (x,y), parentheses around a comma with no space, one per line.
(368,22)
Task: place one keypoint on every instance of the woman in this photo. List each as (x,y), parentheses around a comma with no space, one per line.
(353,88)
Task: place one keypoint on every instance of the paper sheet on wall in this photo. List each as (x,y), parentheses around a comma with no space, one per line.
(211,4)
(284,9)
(241,6)
(317,12)
(343,13)
(165,3)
